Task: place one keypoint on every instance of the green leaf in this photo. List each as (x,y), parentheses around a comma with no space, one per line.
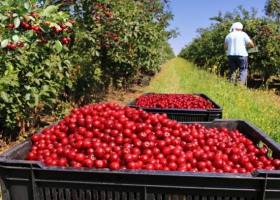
(95,53)
(56,26)
(27,87)
(64,33)
(53,90)
(15,38)
(45,87)
(26,5)
(63,14)
(4,43)
(29,74)
(46,94)
(17,22)
(140,47)
(25,38)
(3,18)
(70,84)
(37,81)
(36,96)
(44,28)
(30,18)
(92,39)
(27,97)
(67,62)
(47,2)
(47,74)
(58,46)
(48,10)
(5,96)
(6,8)
(67,74)
(68,24)
(9,79)
(47,62)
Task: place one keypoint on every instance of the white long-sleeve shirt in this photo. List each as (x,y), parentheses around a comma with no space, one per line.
(236,43)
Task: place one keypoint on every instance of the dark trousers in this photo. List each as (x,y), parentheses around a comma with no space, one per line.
(238,62)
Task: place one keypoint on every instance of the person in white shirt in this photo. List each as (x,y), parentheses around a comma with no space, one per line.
(235,45)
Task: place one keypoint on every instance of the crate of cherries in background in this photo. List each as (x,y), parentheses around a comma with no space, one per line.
(180,107)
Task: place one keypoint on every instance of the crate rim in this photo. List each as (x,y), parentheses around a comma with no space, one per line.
(37,165)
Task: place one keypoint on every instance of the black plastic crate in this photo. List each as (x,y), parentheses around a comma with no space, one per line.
(185,115)
(25,180)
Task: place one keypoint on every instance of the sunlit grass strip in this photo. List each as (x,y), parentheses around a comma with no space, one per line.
(261,108)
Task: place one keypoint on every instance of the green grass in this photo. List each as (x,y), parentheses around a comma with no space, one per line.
(261,108)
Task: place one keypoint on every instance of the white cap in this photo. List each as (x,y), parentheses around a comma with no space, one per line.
(236,25)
